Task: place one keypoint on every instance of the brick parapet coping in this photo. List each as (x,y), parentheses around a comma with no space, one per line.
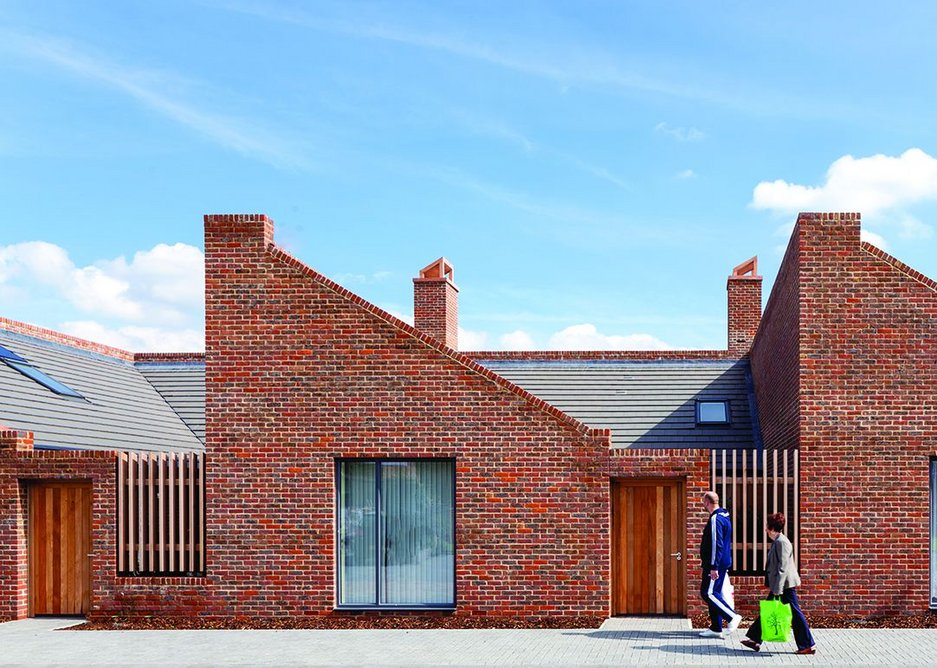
(603,355)
(281,255)
(898,265)
(57,337)
(169,357)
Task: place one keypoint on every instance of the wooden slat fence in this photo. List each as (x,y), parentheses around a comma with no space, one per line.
(160,513)
(753,485)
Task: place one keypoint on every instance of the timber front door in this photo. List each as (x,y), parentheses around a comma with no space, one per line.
(59,545)
(648,547)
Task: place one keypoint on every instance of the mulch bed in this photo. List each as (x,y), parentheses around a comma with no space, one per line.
(923,621)
(926,620)
(343,622)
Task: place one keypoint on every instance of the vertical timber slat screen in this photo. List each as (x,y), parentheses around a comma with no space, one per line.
(753,485)
(160,513)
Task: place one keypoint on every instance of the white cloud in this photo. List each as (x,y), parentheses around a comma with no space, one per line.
(153,302)
(346,279)
(880,187)
(138,339)
(472,340)
(873,238)
(680,134)
(517,340)
(686,174)
(587,337)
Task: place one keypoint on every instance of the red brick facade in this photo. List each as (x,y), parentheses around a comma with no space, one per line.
(19,466)
(299,372)
(845,365)
(744,307)
(436,303)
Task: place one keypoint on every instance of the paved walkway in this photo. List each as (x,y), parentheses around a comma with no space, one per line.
(620,641)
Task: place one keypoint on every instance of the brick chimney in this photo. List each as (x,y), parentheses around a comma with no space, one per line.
(744,288)
(436,303)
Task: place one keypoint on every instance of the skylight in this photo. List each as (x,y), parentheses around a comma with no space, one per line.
(712,412)
(7,354)
(30,371)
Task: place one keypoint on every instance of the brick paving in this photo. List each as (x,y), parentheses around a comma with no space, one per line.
(620,641)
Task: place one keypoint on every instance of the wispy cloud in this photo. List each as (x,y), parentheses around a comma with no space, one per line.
(487,127)
(603,229)
(588,67)
(680,134)
(686,174)
(147,89)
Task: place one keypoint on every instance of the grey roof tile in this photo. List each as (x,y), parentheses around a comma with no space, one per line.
(120,410)
(646,404)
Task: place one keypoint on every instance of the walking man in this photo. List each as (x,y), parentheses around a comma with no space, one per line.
(716,557)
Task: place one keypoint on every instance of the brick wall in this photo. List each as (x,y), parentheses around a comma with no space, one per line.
(744,310)
(300,372)
(866,422)
(775,356)
(436,309)
(19,466)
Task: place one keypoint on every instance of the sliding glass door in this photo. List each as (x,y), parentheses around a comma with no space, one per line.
(396,533)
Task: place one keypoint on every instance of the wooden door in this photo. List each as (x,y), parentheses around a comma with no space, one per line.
(649,547)
(59,548)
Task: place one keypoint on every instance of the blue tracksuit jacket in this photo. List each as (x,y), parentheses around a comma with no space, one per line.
(716,546)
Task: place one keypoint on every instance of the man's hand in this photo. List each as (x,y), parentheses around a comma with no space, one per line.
(714,574)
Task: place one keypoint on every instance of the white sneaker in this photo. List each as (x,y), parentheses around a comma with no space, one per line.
(734,624)
(709,633)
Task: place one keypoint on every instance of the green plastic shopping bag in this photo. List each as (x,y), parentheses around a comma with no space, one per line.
(775,620)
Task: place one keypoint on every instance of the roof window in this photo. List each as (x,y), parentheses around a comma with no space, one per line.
(7,354)
(712,412)
(14,361)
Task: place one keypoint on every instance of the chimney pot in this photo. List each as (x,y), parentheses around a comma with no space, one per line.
(436,302)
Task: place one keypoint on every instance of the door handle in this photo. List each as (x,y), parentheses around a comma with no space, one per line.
(678,555)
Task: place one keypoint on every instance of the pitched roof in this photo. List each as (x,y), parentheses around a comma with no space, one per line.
(646,404)
(119,408)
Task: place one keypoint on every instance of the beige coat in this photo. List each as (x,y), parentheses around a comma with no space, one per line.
(780,570)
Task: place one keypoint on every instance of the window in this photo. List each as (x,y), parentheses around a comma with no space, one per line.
(7,354)
(32,372)
(933,534)
(396,533)
(712,412)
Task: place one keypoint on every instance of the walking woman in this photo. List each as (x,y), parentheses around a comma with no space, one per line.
(782,580)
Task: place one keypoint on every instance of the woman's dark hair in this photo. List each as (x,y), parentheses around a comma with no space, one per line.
(776,522)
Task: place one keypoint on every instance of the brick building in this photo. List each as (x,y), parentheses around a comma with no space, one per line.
(340,460)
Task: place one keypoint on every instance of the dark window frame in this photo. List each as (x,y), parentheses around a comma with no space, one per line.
(932,528)
(728,408)
(377,538)
(39,376)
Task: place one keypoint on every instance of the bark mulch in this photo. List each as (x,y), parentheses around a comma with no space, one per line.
(342,622)
(922,621)
(927,620)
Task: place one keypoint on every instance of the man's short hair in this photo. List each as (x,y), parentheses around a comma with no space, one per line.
(776,522)
(712,497)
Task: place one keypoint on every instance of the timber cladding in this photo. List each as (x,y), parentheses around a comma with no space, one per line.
(22,470)
(59,548)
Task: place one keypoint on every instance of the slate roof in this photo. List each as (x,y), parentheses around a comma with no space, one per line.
(120,410)
(646,404)
(182,385)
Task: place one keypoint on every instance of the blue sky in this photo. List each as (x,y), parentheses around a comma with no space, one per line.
(592,170)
